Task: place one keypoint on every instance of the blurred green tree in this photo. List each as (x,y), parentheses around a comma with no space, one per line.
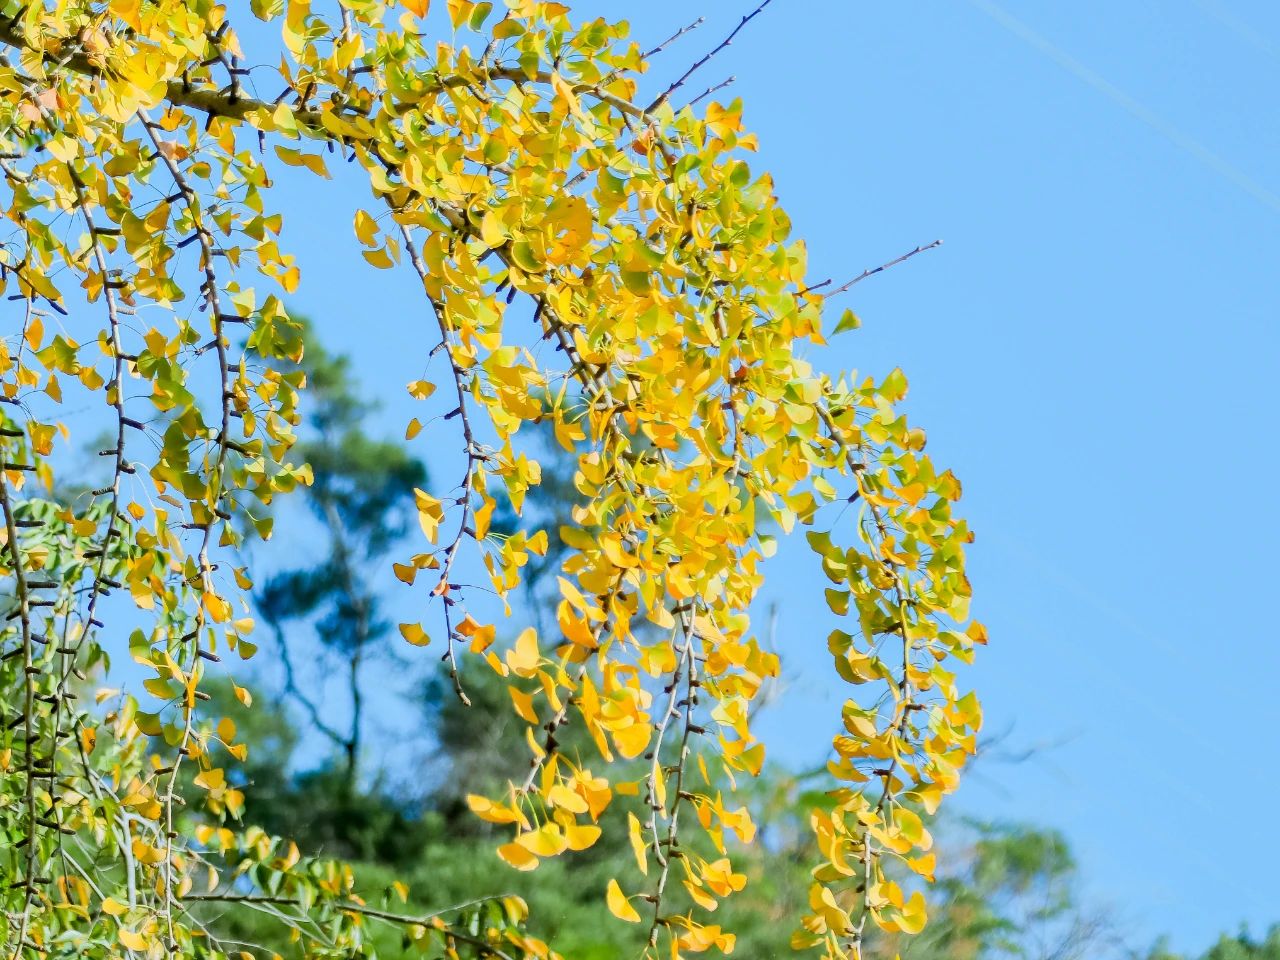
(1240,947)
(362,495)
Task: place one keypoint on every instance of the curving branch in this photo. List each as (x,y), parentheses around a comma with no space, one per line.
(667,848)
(474,460)
(23,596)
(230,104)
(217,481)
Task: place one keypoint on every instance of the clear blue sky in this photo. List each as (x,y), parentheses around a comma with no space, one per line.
(1093,351)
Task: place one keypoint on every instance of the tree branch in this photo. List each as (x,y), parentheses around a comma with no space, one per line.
(387,916)
(220,103)
(874,270)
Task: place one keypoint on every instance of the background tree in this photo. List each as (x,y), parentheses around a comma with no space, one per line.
(1240,947)
(1007,890)
(361,491)
(1013,892)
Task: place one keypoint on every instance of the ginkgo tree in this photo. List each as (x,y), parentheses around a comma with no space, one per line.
(514,167)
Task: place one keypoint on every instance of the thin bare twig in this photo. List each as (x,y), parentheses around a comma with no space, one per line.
(666,848)
(873,271)
(710,90)
(666,94)
(674,37)
(613,75)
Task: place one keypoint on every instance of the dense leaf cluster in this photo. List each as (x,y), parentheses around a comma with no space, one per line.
(538,198)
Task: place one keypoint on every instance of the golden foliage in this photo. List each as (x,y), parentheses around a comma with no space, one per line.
(515,170)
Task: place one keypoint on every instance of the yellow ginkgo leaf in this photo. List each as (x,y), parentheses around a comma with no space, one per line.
(581,836)
(546,841)
(638,846)
(912,917)
(523,656)
(523,703)
(633,740)
(619,905)
(564,798)
(366,229)
(132,940)
(486,809)
(430,513)
(219,609)
(414,633)
(517,856)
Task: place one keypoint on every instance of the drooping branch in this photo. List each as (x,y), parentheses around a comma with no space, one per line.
(29,671)
(674,310)
(217,483)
